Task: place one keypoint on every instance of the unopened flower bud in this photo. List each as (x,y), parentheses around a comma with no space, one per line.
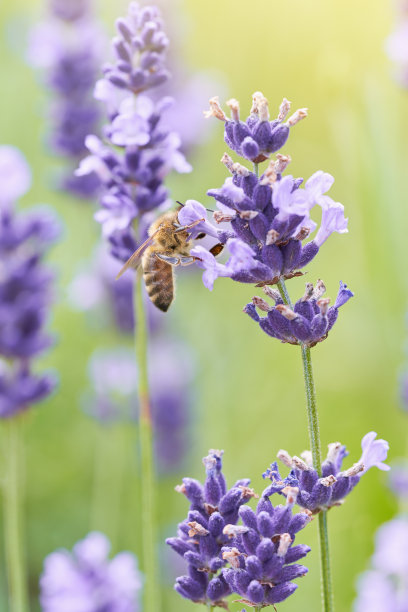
(300,114)
(261,304)
(215,110)
(286,312)
(285,458)
(233,104)
(284,109)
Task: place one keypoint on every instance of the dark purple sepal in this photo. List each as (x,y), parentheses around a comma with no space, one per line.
(300,328)
(259,226)
(250,148)
(255,592)
(253,567)
(273,258)
(279,136)
(309,251)
(291,255)
(318,326)
(297,552)
(280,592)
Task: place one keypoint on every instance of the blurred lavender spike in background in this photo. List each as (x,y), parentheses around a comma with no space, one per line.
(68,47)
(113,394)
(140,150)
(396,44)
(321,493)
(86,579)
(384,588)
(25,288)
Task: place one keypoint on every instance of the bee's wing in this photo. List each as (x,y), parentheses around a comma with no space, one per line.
(134,260)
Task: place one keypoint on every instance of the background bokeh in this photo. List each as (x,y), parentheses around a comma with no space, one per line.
(249,397)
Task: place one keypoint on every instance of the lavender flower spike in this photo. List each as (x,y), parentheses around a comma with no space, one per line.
(263,557)
(321,493)
(86,579)
(270,215)
(25,289)
(210,526)
(138,151)
(310,320)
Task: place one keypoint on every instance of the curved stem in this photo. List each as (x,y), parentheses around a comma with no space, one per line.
(148,514)
(13,519)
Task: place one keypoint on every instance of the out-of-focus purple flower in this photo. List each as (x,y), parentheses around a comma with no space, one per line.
(271,215)
(211,524)
(113,395)
(15,175)
(320,493)
(68,47)
(308,323)
(398,479)
(263,556)
(396,44)
(95,290)
(25,289)
(385,587)
(139,150)
(87,580)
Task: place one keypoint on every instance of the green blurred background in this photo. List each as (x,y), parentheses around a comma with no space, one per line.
(329,57)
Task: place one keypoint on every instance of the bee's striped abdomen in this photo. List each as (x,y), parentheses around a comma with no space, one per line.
(158,278)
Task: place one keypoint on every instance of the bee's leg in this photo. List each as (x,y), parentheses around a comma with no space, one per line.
(173,261)
(183,228)
(186,261)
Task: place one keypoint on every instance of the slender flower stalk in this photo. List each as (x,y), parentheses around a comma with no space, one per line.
(13,517)
(149,539)
(314,437)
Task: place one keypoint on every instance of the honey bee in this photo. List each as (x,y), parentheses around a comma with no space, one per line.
(168,245)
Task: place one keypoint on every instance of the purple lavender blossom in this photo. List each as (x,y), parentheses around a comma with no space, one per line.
(87,580)
(310,320)
(321,493)
(68,45)
(202,536)
(263,556)
(385,587)
(139,151)
(25,288)
(267,218)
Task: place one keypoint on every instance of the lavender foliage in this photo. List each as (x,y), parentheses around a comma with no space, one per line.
(68,46)
(25,289)
(321,493)
(265,219)
(310,320)
(86,579)
(138,151)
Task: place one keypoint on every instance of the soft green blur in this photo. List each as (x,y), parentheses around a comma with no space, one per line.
(329,57)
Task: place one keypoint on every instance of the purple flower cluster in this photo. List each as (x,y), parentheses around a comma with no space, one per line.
(310,320)
(139,151)
(384,588)
(69,47)
(321,493)
(259,551)
(86,579)
(267,217)
(25,289)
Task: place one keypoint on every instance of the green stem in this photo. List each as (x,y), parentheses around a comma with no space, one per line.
(148,514)
(13,519)
(256,169)
(284,292)
(313,424)
(314,436)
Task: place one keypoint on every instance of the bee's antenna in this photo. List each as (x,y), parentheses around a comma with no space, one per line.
(207,209)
